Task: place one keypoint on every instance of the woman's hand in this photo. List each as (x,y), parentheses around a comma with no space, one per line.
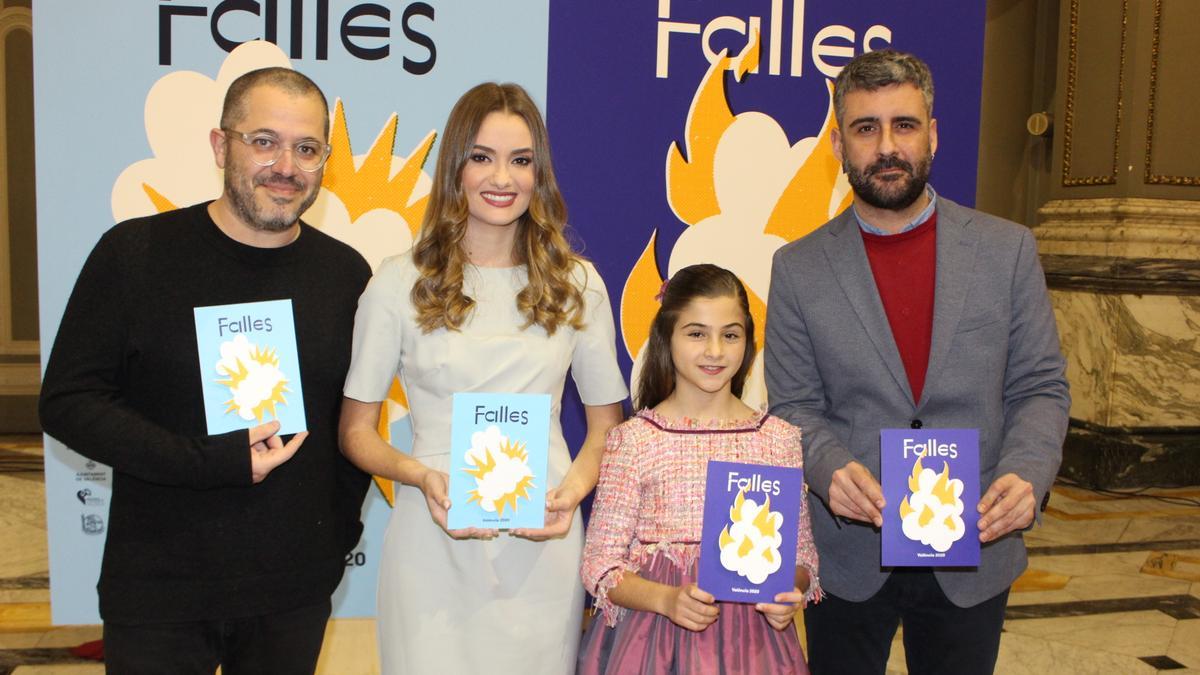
(561,503)
(779,615)
(434,486)
(691,608)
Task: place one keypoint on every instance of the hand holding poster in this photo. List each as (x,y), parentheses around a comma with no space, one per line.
(751,516)
(250,366)
(498,456)
(931,484)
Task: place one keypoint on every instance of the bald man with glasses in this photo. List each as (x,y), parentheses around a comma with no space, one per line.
(223,549)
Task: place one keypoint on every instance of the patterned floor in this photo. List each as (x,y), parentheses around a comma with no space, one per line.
(1113,587)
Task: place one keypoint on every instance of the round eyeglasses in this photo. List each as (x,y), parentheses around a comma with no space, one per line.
(265,150)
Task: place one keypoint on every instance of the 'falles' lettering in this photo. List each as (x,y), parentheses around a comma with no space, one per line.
(751,483)
(932,448)
(361,35)
(501,415)
(243,324)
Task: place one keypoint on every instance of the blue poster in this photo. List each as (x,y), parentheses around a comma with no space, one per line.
(249,366)
(145,81)
(499,445)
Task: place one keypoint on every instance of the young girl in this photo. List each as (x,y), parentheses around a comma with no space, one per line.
(643,540)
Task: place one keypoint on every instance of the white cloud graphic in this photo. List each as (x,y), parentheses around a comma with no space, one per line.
(932,514)
(377,234)
(500,468)
(181,109)
(256,383)
(750,543)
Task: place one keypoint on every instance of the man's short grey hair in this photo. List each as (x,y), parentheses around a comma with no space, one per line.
(883,68)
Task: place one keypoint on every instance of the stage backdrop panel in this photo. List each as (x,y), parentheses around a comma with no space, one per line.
(683,132)
(698,131)
(127,91)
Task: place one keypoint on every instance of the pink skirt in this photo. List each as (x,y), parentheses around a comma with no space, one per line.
(740,641)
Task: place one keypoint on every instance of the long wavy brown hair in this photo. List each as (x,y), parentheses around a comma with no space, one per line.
(551,298)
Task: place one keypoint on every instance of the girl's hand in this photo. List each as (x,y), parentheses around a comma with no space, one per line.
(433,486)
(691,608)
(561,503)
(780,616)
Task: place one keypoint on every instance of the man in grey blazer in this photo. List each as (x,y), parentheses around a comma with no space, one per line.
(908,310)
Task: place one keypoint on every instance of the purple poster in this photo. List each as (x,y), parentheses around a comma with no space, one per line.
(688,131)
(931,484)
(751,521)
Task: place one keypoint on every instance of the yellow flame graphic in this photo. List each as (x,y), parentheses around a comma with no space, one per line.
(639,301)
(514,450)
(746,547)
(266,357)
(914,482)
(725,539)
(748,59)
(804,204)
(762,521)
(926,516)
(161,203)
(483,468)
(690,190)
(371,186)
(735,511)
(942,489)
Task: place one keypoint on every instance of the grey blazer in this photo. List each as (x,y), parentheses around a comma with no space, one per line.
(832,368)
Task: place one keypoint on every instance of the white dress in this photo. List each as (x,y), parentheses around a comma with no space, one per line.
(503,606)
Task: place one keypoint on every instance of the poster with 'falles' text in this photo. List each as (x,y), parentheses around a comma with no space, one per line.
(751,521)
(931,485)
(249,366)
(498,459)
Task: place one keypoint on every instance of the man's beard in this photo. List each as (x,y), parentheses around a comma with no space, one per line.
(893,195)
(255,215)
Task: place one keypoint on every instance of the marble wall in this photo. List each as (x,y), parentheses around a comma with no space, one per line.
(1124,279)
(1121,227)
(1132,360)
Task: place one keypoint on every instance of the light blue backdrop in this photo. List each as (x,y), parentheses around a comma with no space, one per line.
(96,63)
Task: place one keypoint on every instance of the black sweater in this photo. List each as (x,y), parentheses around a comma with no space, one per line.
(189,536)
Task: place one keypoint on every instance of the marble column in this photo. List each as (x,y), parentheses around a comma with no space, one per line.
(1120,239)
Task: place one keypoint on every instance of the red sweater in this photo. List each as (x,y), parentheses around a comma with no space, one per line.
(904,268)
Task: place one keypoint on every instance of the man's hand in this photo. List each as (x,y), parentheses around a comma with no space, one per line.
(268,451)
(1006,506)
(691,608)
(560,510)
(854,493)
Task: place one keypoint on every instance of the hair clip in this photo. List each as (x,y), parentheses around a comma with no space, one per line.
(662,290)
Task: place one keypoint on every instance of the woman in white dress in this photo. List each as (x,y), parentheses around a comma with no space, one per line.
(490,298)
